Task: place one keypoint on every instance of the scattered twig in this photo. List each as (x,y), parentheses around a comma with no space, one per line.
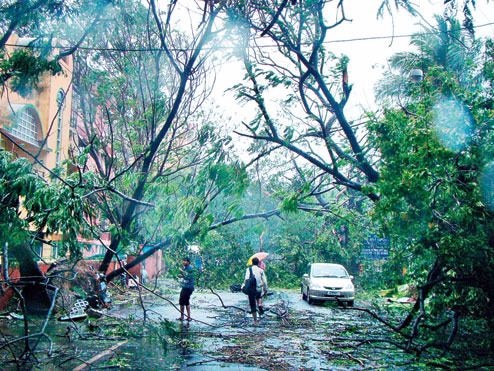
(211,359)
(360,362)
(223,304)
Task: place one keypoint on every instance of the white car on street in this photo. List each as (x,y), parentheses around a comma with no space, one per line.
(325,281)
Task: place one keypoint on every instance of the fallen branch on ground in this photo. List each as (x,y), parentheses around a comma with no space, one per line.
(223,304)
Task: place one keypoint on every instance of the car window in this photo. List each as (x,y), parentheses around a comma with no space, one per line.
(328,271)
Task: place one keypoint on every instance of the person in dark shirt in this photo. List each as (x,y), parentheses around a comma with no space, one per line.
(187,276)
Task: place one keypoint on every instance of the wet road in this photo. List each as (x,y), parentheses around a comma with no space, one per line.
(292,335)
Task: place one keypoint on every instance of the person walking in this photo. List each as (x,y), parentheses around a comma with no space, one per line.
(187,277)
(255,296)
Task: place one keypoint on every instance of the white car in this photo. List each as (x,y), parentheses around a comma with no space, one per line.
(328,282)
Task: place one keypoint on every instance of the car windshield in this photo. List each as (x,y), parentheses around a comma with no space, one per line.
(330,271)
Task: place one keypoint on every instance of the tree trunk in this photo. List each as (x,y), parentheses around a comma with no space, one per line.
(33,285)
(137,260)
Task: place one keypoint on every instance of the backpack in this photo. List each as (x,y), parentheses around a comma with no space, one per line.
(250,286)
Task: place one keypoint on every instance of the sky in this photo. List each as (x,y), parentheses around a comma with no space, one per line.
(368,56)
(368,42)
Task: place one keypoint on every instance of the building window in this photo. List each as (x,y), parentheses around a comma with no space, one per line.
(26,127)
(37,248)
(60,101)
(75,111)
(54,251)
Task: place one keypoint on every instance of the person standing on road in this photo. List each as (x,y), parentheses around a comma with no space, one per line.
(187,276)
(102,291)
(255,297)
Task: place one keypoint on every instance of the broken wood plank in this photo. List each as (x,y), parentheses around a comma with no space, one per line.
(97,357)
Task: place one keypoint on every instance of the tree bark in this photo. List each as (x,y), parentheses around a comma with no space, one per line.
(34,290)
(137,260)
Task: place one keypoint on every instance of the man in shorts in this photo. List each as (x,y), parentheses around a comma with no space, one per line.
(187,276)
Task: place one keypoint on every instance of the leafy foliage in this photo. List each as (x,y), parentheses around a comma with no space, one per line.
(431,202)
(23,69)
(33,209)
(445,45)
(40,20)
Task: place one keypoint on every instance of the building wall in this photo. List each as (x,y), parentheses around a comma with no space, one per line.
(153,266)
(52,145)
(44,101)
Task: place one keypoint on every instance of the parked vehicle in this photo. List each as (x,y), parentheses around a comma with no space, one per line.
(325,281)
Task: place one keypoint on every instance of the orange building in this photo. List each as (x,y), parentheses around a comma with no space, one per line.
(43,128)
(37,127)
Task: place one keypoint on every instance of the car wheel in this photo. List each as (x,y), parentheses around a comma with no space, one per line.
(349,303)
(309,299)
(304,297)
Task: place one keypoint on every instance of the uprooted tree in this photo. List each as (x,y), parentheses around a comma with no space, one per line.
(144,133)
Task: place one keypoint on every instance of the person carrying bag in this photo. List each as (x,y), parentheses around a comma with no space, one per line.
(254,284)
